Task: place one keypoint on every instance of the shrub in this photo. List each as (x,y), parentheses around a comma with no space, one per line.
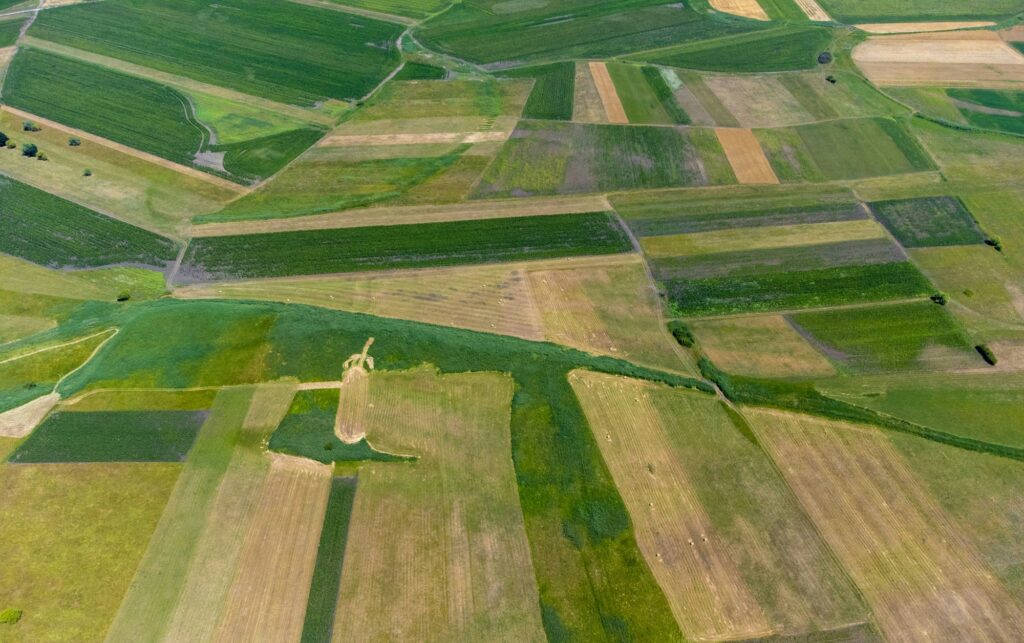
(11,145)
(682,334)
(995,242)
(4,138)
(10,616)
(124,296)
(986,354)
(824,58)
(41,157)
(74,142)
(29,149)
(86,172)
(29,126)
(939,298)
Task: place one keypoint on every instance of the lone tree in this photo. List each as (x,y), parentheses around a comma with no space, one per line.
(3,139)
(29,149)
(74,142)
(29,126)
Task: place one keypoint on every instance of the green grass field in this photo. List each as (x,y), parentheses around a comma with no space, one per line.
(777,49)
(123,436)
(28,372)
(991,109)
(642,105)
(53,232)
(408,246)
(929,221)
(283,51)
(552,93)
(330,557)
(919,335)
(415,9)
(854,11)
(9,30)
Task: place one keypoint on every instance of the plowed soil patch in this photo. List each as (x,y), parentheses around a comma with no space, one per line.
(814,11)
(970,58)
(609,96)
(746,156)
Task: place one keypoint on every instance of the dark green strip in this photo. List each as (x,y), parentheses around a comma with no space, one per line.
(330,557)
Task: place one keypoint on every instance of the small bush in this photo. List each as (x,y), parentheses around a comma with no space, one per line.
(4,138)
(29,150)
(86,172)
(74,142)
(29,126)
(939,298)
(831,79)
(41,157)
(682,334)
(986,354)
(995,242)
(824,58)
(10,616)
(11,145)
(124,296)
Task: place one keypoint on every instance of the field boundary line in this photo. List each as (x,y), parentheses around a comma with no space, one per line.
(56,346)
(178,82)
(145,156)
(366,13)
(365,217)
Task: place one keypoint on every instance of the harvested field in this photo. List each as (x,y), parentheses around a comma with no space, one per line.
(814,10)
(215,561)
(704,588)
(73,535)
(456,564)
(19,422)
(268,595)
(413,139)
(705,535)
(760,346)
(606,309)
(744,8)
(916,569)
(404,215)
(746,156)
(950,59)
(758,101)
(920,27)
(492,299)
(587,105)
(614,112)
(766,238)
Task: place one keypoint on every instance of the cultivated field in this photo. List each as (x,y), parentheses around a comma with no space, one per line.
(456,564)
(745,156)
(916,569)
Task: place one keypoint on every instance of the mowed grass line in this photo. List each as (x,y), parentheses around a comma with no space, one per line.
(213,565)
(409,246)
(917,570)
(147,607)
(456,564)
(73,535)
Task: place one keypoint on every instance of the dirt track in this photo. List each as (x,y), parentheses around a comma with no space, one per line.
(746,156)
(609,96)
(19,421)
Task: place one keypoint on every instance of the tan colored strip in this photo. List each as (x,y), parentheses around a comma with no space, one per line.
(918,27)
(413,139)
(366,13)
(586,106)
(609,96)
(268,597)
(156,160)
(746,156)
(814,10)
(745,8)
(180,82)
(498,209)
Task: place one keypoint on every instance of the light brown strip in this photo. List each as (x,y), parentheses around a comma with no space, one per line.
(744,8)
(609,96)
(746,156)
(814,10)
(413,139)
(917,27)
(156,160)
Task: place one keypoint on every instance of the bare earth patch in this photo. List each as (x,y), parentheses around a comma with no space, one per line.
(814,10)
(745,8)
(947,59)
(19,422)
(746,156)
(613,109)
(923,579)
(414,139)
(919,27)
